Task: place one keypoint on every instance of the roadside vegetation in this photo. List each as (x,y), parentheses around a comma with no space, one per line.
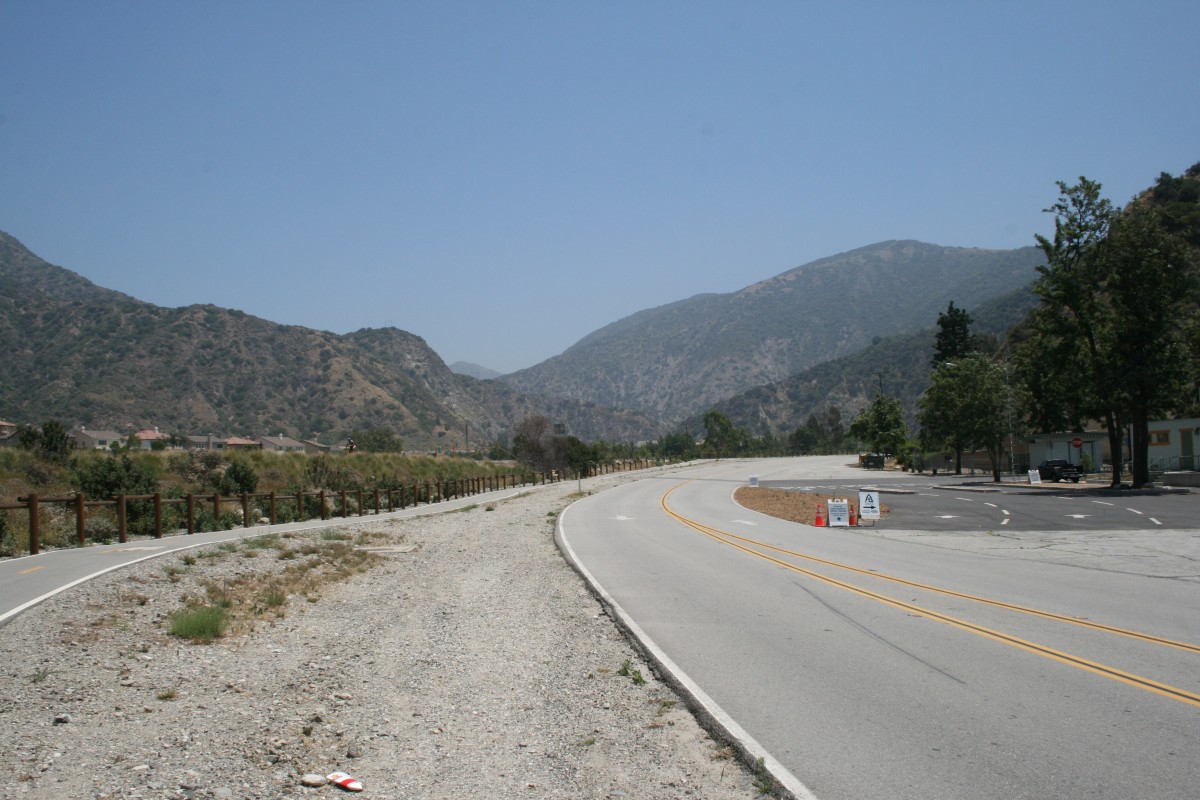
(234,606)
(45,464)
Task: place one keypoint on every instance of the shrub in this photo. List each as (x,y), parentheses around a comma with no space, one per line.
(239,477)
(202,624)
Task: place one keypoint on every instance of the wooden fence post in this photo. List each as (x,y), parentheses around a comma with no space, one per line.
(324,511)
(246,523)
(80,519)
(300,512)
(272,506)
(35,526)
(122,532)
(191,512)
(158,533)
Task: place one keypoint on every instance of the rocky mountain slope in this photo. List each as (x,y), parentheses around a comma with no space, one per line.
(898,365)
(82,354)
(677,360)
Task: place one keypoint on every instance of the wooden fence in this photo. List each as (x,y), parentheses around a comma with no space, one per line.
(370,501)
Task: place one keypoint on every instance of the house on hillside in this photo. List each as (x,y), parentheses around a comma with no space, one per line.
(281,444)
(8,434)
(149,437)
(314,448)
(240,443)
(96,440)
(208,442)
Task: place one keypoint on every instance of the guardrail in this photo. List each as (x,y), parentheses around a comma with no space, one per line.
(307,505)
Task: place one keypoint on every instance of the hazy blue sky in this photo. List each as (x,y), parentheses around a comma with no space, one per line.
(502,178)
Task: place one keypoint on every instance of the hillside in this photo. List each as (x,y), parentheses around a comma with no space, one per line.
(900,364)
(678,360)
(86,355)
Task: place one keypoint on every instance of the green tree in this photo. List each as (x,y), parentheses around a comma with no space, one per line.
(881,426)
(719,434)
(1071,321)
(1112,292)
(1148,280)
(580,458)
(237,478)
(108,476)
(967,404)
(802,441)
(532,442)
(678,445)
(953,338)
(50,441)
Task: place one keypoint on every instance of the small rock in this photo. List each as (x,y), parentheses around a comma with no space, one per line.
(313,779)
(62,719)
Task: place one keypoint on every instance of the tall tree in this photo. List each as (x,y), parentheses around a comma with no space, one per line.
(1071,321)
(1147,282)
(1113,292)
(720,435)
(968,404)
(881,426)
(532,442)
(953,336)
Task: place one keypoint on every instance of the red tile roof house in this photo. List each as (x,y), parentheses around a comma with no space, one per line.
(148,438)
(238,443)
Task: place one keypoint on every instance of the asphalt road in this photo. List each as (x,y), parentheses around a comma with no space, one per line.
(944,653)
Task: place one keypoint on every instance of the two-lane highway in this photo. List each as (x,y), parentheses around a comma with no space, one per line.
(871,664)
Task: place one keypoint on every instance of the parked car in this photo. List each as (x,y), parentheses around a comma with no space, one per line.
(1059,469)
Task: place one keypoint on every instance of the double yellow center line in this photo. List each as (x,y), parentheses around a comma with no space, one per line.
(756,548)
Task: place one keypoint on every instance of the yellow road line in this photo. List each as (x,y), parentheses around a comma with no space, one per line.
(1097,668)
(31,569)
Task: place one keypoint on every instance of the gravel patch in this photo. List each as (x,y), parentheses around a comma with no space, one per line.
(469,661)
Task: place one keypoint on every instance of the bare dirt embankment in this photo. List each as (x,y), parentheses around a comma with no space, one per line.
(790,505)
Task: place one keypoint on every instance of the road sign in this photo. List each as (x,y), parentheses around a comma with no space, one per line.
(1077,442)
(868,505)
(839,513)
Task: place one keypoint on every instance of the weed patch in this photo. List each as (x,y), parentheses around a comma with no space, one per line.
(201,624)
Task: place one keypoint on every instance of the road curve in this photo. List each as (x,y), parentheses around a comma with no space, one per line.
(921,672)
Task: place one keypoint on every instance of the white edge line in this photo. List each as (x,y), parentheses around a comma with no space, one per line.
(331,522)
(732,730)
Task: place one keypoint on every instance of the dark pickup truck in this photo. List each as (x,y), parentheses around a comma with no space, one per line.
(1059,469)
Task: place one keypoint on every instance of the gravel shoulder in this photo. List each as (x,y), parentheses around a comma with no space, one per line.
(470,661)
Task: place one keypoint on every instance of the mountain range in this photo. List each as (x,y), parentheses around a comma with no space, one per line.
(677,360)
(84,354)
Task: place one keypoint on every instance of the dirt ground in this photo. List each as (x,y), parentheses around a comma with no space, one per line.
(793,506)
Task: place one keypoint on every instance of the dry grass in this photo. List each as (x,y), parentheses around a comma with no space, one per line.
(793,506)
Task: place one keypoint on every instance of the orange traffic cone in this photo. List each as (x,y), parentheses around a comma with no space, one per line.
(820,523)
(853,518)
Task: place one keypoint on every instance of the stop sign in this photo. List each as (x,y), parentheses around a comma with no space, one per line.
(1077,442)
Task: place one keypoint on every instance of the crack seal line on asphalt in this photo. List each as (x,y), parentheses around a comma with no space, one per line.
(1129,678)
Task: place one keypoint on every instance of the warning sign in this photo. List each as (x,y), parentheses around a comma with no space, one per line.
(868,505)
(839,512)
